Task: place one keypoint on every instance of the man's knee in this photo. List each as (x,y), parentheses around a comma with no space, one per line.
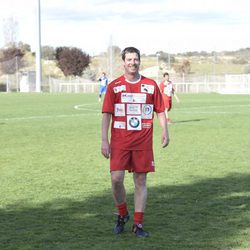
(117,178)
(140,181)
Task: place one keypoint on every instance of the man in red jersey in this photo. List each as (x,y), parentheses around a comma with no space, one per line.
(131,101)
(167,90)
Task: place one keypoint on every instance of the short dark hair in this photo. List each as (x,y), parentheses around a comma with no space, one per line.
(165,74)
(130,50)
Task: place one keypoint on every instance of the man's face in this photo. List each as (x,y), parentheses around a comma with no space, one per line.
(131,63)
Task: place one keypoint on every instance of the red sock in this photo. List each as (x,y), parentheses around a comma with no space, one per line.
(122,209)
(138,217)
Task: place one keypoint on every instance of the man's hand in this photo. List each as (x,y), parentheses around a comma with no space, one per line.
(105,141)
(164,135)
(105,149)
(165,139)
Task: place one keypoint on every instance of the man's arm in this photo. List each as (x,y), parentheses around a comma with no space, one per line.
(176,97)
(106,117)
(165,135)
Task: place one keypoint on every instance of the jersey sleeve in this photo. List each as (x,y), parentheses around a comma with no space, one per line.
(109,99)
(158,101)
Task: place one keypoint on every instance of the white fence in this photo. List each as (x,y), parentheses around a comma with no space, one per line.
(224,84)
(77,87)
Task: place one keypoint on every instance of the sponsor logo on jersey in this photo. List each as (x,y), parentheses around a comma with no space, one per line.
(133,98)
(118,89)
(133,109)
(119,124)
(133,122)
(147,88)
(119,109)
(147,111)
(146,125)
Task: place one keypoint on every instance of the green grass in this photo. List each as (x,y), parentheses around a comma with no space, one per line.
(55,185)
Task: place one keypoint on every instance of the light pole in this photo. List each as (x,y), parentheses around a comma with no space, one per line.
(111,58)
(38,50)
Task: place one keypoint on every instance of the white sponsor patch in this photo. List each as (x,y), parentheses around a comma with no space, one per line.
(119,124)
(168,90)
(147,111)
(118,89)
(133,122)
(146,125)
(146,88)
(133,109)
(133,98)
(119,109)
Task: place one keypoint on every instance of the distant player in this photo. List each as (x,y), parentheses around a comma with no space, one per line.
(103,85)
(167,90)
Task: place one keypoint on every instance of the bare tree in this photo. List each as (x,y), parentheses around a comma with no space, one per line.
(10,30)
(11,60)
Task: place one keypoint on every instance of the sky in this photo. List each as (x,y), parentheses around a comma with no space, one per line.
(172,26)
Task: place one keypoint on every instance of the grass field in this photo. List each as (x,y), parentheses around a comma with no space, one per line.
(55,185)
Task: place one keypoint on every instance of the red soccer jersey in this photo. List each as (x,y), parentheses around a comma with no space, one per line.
(166,88)
(132,106)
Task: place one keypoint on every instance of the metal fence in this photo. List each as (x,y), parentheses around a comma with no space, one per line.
(78,85)
(225,84)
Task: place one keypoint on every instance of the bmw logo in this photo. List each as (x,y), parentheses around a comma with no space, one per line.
(134,122)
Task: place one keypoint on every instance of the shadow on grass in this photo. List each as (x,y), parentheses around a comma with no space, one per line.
(184,121)
(209,214)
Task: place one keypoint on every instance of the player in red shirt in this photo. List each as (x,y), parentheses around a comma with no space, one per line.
(167,90)
(131,101)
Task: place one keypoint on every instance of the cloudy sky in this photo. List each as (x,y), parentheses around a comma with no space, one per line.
(151,25)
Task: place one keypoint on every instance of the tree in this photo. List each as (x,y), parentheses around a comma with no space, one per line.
(11,60)
(24,46)
(48,53)
(71,60)
(183,67)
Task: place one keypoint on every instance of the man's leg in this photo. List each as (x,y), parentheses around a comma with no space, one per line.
(119,194)
(140,199)
(140,196)
(118,189)
(167,117)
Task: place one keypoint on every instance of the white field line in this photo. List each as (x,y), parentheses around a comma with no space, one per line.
(38,117)
(42,117)
(98,112)
(83,106)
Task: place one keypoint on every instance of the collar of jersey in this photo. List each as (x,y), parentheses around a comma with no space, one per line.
(132,82)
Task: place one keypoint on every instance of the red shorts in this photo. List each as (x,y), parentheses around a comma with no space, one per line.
(138,161)
(167,103)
